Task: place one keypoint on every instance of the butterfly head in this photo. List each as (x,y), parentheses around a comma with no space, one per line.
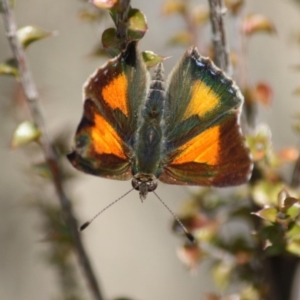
(144,183)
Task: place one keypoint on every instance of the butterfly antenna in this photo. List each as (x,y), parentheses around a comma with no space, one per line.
(86,224)
(190,237)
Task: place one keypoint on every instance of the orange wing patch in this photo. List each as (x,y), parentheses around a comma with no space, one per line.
(105,139)
(203,100)
(115,94)
(204,148)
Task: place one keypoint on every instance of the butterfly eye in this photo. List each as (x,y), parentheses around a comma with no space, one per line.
(139,184)
(135,184)
(152,185)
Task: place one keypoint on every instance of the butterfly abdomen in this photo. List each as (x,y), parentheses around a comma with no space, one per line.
(149,135)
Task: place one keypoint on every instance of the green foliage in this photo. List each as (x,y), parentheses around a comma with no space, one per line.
(30,34)
(9,67)
(151,59)
(130,24)
(262,218)
(267,208)
(25,133)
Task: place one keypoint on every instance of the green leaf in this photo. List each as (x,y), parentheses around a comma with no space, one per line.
(9,67)
(294,247)
(294,232)
(151,59)
(30,34)
(274,236)
(221,274)
(289,202)
(111,43)
(249,293)
(25,133)
(266,193)
(260,142)
(275,250)
(294,211)
(137,24)
(268,214)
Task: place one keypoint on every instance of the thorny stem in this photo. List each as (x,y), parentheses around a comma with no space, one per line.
(31,94)
(217,10)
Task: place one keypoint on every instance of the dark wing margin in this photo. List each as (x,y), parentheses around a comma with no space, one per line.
(98,148)
(216,157)
(203,140)
(114,96)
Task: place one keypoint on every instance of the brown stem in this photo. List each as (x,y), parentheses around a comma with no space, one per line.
(122,18)
(31,94)
(221,58)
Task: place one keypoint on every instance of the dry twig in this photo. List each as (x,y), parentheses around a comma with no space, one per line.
(31,94)
(217,10)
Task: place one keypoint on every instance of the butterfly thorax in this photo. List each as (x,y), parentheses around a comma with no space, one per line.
(149,136)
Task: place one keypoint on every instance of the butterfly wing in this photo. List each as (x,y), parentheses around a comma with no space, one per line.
(203,140)
(113,97)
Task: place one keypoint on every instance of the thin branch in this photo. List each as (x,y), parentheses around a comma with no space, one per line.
(122,19)
(217,11)
(31,94)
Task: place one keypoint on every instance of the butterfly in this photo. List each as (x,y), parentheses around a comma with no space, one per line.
(185,131)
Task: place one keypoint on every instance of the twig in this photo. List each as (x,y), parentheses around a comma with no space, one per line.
(122,18)
(31,94)
(217,10)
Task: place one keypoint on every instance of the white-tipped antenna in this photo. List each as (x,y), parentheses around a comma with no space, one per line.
(86,224)
(190,237)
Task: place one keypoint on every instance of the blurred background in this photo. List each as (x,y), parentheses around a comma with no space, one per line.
(130,245)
